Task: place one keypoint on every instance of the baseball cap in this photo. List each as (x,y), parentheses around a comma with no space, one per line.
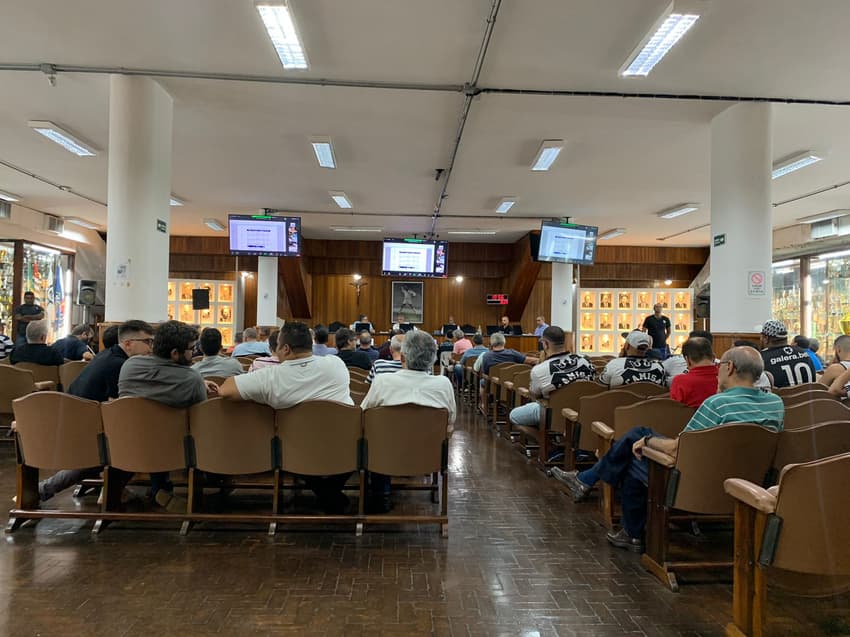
(639,339)
(774,329)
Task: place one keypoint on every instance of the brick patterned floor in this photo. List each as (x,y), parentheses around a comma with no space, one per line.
(521,559)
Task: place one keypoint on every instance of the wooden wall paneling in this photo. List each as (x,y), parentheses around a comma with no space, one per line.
(524,273)
(292,300)
(250,307)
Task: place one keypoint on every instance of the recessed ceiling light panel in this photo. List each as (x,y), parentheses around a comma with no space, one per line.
(663,36)
(547,154)
(796,162)
(280,26)
(62,137)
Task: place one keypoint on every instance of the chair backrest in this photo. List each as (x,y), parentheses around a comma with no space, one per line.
(797,389)
(647,389)
(145,435)
(14,383)
(445,359)
(470,360)
(812,412)
(600,407)
(812,504)
(357,385)
(495,370)
(232,438)
(319,437)
(69,371)
(509,374)
(58,431)
(790,400)
(41,373)
(218,380)
(523,377)
(570,394)
(664,415)
(808,444)
(405,439)
(356,372)
(708,457)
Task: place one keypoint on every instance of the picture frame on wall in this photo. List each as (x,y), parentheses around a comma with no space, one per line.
(408,299)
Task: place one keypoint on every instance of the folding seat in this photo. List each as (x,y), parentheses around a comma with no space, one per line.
(69,371)
(812,412)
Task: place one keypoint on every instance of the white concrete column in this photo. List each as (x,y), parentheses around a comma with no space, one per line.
(267,290)
(741,218)
(139,214)
(563,297)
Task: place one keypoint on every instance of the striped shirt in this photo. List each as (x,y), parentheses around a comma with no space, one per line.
(382,367)
(739,404)
(6,346)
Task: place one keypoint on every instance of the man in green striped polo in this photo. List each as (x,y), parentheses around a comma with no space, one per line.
(624,465)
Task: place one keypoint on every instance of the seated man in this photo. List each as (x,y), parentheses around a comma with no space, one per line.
(75,346)
(362,319)
(498,354)
(6,344)
(676,364)
(805,343)
(212,364)
(700,379)
(787,365)
(366,346)
(635,366)
(384,351)
(391,366)
(345,343)
(558,368)
(301,376)
(320,337)
(840,362)
(267,361)
(166,376)
(250,346)
(461,343)
(738,401)
(36,349)
(505,326)
(412,385)
(477,349)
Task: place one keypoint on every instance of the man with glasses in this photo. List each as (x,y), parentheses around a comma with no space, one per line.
(99,381)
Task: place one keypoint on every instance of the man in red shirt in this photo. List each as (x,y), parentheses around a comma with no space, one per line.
(700,381)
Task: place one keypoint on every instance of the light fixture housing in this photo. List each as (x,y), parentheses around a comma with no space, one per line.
(214,224)
(506,204)
(547,154)
(280,26)
(794,163)
(356,277)
(459,278)
(341,199)
(357,229)
(668,281)
(82,222)
(663,36)
(678,211)
(825,216)
(472,232)
(324,151)
(833,255)
(60,136)
(612,233)
(784,264)
(8,196)
(175,201)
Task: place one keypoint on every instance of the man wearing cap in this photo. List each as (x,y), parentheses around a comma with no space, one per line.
(788,364)
(658,327)
(634,367)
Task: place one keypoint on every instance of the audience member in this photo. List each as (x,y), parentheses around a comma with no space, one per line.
(477,349)
(110,336)
(806,343)
(345,343)
(700,379)
(36,350)
(541,325)
(498,354)
(362,318)
(814,346)
(268,361)
(787,365)
(635,366)
(212,364)
(384,352)
(387,367)
(558,368)
(366,346)
(24,314)
(400,320)
(6,344)
(75,346)
(624,465)
(676,364)
(461,343)
(840,361)
(250,346)
(263,333)
(300,376)
(320,346)
(506,328)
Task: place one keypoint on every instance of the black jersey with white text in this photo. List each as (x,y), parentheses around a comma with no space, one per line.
(632,369)
(557,371)
(789,365)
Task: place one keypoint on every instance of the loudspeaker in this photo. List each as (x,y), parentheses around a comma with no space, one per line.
(86,292)
(200,299)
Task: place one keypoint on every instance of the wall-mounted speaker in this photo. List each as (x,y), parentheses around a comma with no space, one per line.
(200,299)
(86,292)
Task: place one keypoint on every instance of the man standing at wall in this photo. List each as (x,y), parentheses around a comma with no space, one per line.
(658,327)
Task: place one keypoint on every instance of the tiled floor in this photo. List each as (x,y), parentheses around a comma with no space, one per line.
(520,559)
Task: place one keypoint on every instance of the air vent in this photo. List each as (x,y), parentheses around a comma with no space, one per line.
(54,224)
(5,210)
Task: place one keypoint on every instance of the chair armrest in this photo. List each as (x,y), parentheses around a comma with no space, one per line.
(523,391)
(570,414)
(509,385)
(45,385)
(660,457)
(544,403)
(750,494)
(602,430)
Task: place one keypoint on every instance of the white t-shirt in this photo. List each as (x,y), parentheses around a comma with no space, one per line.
(296,381)
(632,369)
(407,386)
(559,370)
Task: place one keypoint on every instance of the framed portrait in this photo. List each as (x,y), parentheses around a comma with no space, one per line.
(172,291)
(624,322)
(226,335)
(624,300)
(586,343)
(171,312)
(606,343)
(605,321)
(682,301)
(207,317)
(643,301)
(664,299)
(588,300)
(209,287)
(225,314)
(605,300)
(407,299)
(682,323)
(588,321)
(225,292)
(186,290)
(187,314)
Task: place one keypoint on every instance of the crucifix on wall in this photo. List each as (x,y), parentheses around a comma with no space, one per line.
(358,284)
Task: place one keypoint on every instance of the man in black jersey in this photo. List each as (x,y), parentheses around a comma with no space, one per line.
(787,364)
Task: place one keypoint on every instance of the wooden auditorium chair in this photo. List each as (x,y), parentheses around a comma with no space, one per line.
(499,403)
(645,389)
(15,383)
(42,374)
(69,371)
(488,390)
(812,412)
(791,400)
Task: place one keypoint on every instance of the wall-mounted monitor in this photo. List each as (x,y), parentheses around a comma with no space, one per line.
(567,243)
(414,258)
(265,235)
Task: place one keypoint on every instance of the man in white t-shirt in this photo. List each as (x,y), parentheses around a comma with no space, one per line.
(301,376)
(414,384)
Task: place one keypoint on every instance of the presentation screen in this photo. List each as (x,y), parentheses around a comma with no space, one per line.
(567,243)
(414,258)
(265,235)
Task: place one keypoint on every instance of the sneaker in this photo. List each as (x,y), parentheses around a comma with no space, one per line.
(623,540)
(578,488)
(170,502)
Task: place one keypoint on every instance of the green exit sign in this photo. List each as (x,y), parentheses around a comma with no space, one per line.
(719,240)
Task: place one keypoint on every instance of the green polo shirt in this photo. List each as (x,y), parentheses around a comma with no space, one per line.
(739,404)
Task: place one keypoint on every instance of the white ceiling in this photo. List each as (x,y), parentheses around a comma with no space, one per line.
(241,146)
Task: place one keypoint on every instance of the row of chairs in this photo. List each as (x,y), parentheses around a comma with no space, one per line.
(55,430)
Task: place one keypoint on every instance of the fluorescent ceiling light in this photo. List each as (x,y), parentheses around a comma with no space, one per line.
(357,229)
(547,154)
(833,255)
(82,222)
(783,271)
(324,152)
(8,196)
(662,37)
(789,165)
(505,204)
(614,232)
(214,224)
(785,264)
(174,201)
(62,137)
(44,249)
(481,232)
(340,199)
(678,211)
(284,35)
(821,216)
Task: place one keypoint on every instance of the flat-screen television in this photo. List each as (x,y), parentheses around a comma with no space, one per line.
(265,235)
(414,258)
(567,243)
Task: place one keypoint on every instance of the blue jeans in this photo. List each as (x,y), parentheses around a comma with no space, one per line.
(528,415)
(662,352)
